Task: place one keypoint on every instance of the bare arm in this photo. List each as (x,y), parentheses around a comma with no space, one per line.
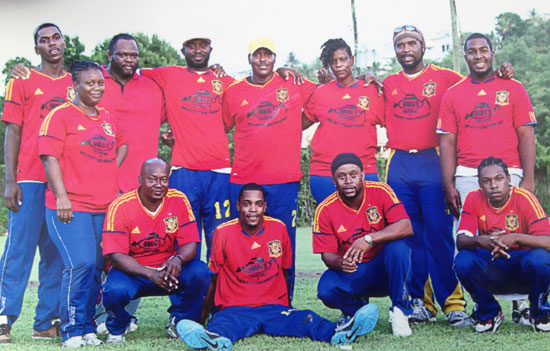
(395,231)
(12,142)
(208,302)
(335,262)
(448,168)
(527,154)
(121,153)
(55,180)
(306,122)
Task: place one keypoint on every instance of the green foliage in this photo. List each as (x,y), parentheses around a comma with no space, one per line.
(74,51)
(153,52)
(306,202)
(7,70)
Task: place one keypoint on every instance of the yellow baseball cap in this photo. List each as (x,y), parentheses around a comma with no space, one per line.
(261,42)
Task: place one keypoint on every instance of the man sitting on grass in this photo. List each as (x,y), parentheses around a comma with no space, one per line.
(503,242)
(250,260)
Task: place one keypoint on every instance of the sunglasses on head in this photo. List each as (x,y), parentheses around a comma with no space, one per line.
(407,27)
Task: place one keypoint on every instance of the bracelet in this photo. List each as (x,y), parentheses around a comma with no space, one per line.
(176,256)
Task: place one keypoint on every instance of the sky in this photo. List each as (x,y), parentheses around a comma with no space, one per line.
(299,26)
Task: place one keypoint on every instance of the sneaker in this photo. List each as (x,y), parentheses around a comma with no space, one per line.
(399,322)
(5,330)
(74,342)
(520,313)
(460,319)
(542,324)
(91,339)
(115,339)
(133,325)
(53,332)
(343,321)
(101,329)
(420,313)
(195,336)
(363,322)
(490,325)
(171,328)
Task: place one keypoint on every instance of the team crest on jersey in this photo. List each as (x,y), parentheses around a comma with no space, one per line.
(275,249)
(373,215)
(429,89)
(107,129)
(171,224)
(217,86)
(71,95)
(512,222)
(503,98)
(282,95)
(364,102)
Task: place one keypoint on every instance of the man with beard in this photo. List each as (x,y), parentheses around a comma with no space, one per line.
(412,104)
(27,103)
(200,153)
(266,111)
(357,231)
(250,259)
(150,236)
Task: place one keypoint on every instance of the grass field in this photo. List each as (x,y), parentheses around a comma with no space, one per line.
(435,336)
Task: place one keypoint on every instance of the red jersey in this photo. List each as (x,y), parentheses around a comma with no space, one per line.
(522,214)
(150,238)
(336,226)
(348,118)
(268,129)
(138,108)
(412,107)
(193,106)
(26,104)
(250,267)
(86,149)
(484,116)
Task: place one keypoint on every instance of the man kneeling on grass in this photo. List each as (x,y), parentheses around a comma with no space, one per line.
(503,242)
(250,258)
(150,235)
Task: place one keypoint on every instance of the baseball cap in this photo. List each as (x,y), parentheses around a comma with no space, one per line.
(407,31)
(261,42)
(197,37)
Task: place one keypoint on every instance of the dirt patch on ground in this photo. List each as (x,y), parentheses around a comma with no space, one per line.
(308,274)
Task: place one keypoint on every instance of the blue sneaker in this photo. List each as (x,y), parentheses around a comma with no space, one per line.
(195,336)
(363,322)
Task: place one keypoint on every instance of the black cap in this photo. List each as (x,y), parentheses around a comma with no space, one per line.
(344,159)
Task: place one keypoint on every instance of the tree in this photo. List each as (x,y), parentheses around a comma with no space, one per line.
(74,51)
(153,52)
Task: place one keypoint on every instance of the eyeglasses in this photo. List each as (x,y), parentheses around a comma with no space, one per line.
(407,27)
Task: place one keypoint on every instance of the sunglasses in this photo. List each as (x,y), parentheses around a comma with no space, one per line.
(407,28)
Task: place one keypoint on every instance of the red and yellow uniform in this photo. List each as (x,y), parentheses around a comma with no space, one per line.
(138,109)
(193,106)
(336,226)
(27,103)
(150,238)
(250,267)
(268,129)
(522,213)
(86,149)
(484,116)
(348,118)
(412,106)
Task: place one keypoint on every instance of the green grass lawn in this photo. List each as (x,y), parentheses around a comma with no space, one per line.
(435,336)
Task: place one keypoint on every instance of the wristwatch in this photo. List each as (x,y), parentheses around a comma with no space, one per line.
(368,239)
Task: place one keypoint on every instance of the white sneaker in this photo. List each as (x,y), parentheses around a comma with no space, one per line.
(520,313)
(399,323)
(421,313)
(74,342)
(91,339)
(115,339)
(101,329)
